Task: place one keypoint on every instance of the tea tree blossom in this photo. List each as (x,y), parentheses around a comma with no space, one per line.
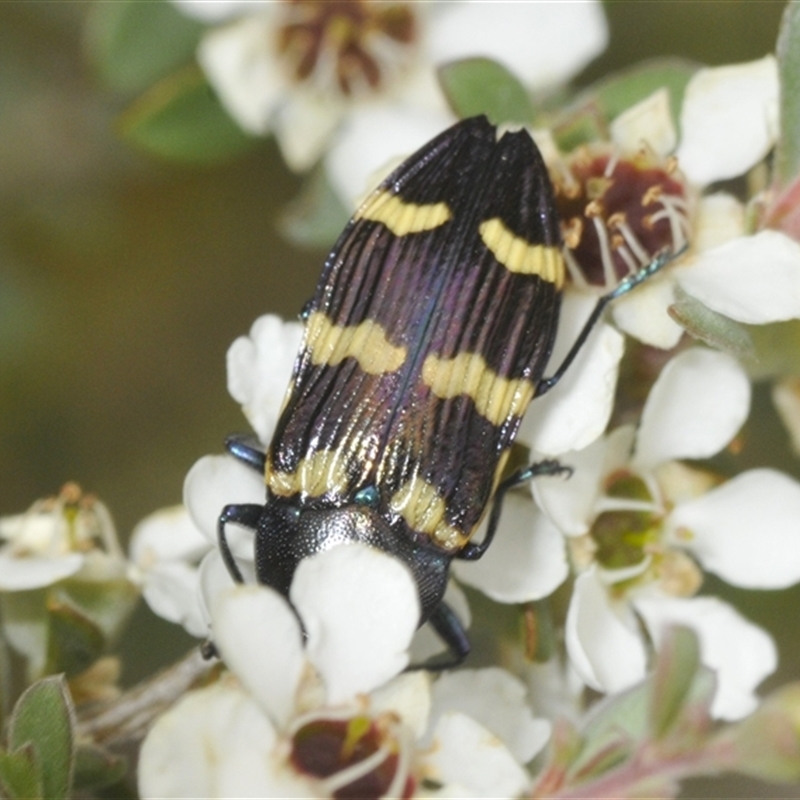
(639,524)
(50,557)
(314,73)
(318,718)
(729,123)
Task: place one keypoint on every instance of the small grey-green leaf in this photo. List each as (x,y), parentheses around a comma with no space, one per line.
(20,775)
(316,216)
(75,642)
(787,153)
(711,327)
(44,716)
(777,350)
(621,90)
(676,667)
(483,86)
(133,44)
(614,725)
(181,119)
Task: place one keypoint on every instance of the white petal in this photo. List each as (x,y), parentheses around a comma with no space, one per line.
(167,535)
(741,653)
(747,531)
(240,64)
(303,126)
(259,369)
(214,743)
(409,697)
(214,579)
(497,700)
(643,312)
(603,641)
(426,642)
(544,44)
(26,628)
(696,406)
(786,398)
(259,638)
(216,10)
(214,482)
(372,137)
(20,573)
(648,124)
(576,411)
(729,120)
(466,754)
(360,609)
(753,279)
(526,561)
(719,218)
(171,590)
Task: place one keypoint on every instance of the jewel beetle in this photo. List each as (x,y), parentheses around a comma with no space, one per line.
(426,339)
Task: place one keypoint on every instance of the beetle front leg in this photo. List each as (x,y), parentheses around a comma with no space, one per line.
(245,514)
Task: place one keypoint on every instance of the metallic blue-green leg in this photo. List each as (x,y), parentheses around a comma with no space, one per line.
(631,282)
(473,551)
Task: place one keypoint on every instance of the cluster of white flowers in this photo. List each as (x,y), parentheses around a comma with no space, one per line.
(633,525)
(316,702)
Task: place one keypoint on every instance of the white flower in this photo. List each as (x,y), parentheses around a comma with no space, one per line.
(166,549)
(307,71)
(300,724)
(50,557)
(729,123)
(259,369)
(634,517)
(57,538)
(168,546)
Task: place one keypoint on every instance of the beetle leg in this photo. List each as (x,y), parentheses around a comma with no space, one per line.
(473,551)
(450,630)
(246,514)
(248,450)
(545,384)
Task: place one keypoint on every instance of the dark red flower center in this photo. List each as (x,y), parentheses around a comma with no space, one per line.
(617,214)
(352,44)
(356,758)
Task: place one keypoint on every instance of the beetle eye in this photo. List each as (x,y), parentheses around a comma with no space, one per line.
(368,496)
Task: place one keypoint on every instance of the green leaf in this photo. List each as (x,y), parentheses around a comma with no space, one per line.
(579,127)
(676,668)
(20,776)
(787,153)
(181,119)
(613,729)
(482,86)
(75,642)
(95,768)
(132,44)
(44,717)
(712,328)
(777,350)
(618,92)
(316,216)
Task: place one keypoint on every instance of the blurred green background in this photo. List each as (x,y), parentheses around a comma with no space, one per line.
(124,279)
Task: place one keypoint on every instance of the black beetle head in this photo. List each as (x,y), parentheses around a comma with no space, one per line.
(288,533)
